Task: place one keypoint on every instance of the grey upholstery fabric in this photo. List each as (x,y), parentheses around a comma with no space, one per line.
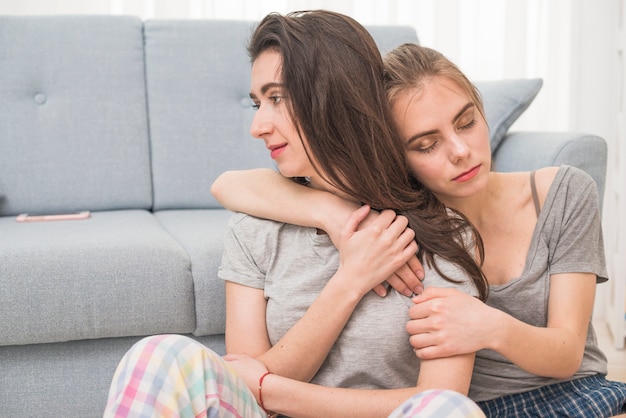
(388,37)
(532,150)
(504,102)
(68,380)
(73,118)
(201,234)
(198,78)
(115,274)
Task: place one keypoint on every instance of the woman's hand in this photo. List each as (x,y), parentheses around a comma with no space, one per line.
(249,369)
(407,280)
(372,253)
(446,322)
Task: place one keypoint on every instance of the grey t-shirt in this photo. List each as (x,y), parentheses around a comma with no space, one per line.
(566,239)
(292,264)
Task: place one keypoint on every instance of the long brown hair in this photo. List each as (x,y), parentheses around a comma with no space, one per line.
(332,72)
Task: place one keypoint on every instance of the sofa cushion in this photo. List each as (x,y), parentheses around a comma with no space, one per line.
(201,234)
(388,37)
(49,377)
(115,274)
(198,78)
(198,81)
(504,102)
(73,120)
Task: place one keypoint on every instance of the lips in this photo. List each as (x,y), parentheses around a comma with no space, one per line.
(468,175)
(276,150)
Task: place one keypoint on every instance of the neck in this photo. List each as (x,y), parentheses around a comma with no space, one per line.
(480,207)
(318,183)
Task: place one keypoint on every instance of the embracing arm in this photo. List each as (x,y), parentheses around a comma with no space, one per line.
(556,350)
(300,399)
(267,194)
(368,256)
(447,322)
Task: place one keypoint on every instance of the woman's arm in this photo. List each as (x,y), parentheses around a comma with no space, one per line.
(300,399)
(367,257)
(446,322)
(556,350)
(267,194)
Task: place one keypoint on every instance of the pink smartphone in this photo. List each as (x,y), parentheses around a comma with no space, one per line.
(24,217)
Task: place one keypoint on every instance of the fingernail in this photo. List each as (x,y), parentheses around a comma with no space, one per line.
(418,290)
(420,275)
(382,292)
(407,293)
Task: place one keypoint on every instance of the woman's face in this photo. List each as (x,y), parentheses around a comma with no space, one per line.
(272,122)
(446,139)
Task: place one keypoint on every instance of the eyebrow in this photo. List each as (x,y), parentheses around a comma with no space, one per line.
(265,88)
(454,119)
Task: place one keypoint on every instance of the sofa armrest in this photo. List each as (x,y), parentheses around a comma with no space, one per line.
(526,151)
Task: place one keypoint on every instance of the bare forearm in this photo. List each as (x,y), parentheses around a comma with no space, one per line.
(267,194)
(550,352)
(302,350)
(304,400)
(299,399)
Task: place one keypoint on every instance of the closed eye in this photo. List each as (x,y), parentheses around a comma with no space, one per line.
(468,125)
(429,148)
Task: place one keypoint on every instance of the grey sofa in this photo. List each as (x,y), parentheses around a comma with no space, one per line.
(133,121)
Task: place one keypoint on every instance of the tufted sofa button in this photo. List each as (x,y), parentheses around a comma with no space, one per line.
(40,98)
(246,103)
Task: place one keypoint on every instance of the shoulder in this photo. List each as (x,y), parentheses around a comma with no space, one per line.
(242,220)
(572,190)
(248,226)
(434,279)
(544,177)
(561,178)
(571,179)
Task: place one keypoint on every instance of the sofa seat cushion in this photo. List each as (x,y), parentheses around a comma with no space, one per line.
(115,274)
(201,234)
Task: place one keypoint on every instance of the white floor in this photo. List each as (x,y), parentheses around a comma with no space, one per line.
(617,358)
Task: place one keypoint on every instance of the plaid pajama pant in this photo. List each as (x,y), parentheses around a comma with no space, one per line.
(587,397)
(175,376)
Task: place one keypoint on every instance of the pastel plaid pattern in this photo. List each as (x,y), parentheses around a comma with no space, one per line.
(438,403)
(175,376)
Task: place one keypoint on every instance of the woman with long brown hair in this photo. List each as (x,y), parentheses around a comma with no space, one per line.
(304,333)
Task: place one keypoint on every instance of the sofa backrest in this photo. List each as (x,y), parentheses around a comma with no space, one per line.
(109,112)
(198,78)
(73,122)
(198,82)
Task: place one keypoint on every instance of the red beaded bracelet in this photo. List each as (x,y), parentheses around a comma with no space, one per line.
(261,393)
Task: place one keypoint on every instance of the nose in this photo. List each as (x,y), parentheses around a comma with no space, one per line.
(459,149)
(261,125)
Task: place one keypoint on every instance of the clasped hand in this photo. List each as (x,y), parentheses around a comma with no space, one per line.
(445,322)
(377,247)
